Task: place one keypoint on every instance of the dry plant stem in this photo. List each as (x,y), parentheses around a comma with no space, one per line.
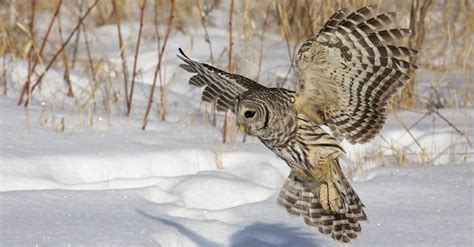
(262,37)
(162,108)
(31,48)
(466,92)
(30,59)
(207,38)
(206,34)
(158,66)
(286,33)
(106,99)
(454,127)
(66,77)
(417,26)
(399,120)
(122,51)
(26,85)
(4,75)
(78,35)
(137,48)
(229,65)
(51,62)
(94,83)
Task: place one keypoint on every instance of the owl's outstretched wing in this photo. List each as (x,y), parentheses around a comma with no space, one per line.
(348,72)
(220,87)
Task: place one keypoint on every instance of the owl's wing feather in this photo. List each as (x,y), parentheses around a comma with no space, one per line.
(220,87)
(348,72)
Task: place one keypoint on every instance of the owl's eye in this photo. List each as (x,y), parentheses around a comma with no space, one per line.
(249,114)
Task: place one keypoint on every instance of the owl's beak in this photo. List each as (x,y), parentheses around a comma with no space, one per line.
(242,128)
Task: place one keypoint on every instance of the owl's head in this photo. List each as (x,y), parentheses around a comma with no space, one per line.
(262,114)
(252,116)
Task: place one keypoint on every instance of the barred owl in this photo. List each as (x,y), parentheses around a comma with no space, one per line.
(346,74)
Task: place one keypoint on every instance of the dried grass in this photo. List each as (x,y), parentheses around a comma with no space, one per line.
(444,38)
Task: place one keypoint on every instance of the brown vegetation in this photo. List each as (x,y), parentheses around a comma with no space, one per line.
(443,32)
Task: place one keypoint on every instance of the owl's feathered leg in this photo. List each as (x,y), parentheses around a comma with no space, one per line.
(332,192)
(334,208)
(329,197)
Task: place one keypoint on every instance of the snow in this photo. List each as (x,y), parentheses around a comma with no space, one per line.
(413,206)
(176,184)
(163,187)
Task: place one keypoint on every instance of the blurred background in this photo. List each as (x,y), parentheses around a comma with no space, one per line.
(111,59)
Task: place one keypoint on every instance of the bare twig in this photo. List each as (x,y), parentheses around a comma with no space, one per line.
(229,65)
(26,86)
(206,33)
(122,51)
(31,49)
(204,14)
(4,76)
(158,66)
(399,120)
(137,48)
(454,127)
(229,62)
(66,77)
(417,26)
(163,102)
(262,36)
(94,82)
(285,26)
(78,35)
(51,62)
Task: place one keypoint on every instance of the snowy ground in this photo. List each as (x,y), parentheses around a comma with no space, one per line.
(407,207)
(176,184)
(129,187)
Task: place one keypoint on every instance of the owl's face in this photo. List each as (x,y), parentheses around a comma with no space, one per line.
(265,114)
(252,117)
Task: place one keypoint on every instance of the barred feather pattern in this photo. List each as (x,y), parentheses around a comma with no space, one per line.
(346,75)
(220,88)
(301,198)
(348,72)
(322,194)
(313,156)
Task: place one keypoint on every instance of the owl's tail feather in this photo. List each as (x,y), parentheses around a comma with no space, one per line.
(301,198)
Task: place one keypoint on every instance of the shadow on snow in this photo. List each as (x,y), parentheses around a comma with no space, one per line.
(257,234)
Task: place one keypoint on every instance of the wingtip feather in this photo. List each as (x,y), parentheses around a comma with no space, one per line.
(182,55)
